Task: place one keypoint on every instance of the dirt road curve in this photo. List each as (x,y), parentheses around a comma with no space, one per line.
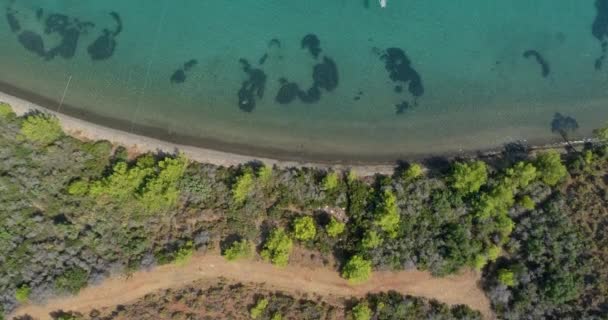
(461,289)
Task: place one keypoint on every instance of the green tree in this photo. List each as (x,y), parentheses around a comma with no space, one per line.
(304,228)
(277,247)
(601,133)
(413,172)
(357,269)
(506,277)
(550,168)
(23,293)
(522,174)
(243,186)
(335,228)
(6,111)
(238,250)
(259,308)
(387,214)
(362,312)
(371,240)
(330,181)
(161,191)
(265,175)
(78,188)
(41,128)
(527,202)
(469,177)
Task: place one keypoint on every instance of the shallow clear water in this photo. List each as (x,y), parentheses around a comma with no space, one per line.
(468,85)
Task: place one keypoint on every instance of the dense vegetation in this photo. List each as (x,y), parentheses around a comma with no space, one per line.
(73,212)
(225,300)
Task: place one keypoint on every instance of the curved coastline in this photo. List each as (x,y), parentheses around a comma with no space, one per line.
(145,140)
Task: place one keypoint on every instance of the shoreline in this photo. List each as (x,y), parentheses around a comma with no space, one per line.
(139,143)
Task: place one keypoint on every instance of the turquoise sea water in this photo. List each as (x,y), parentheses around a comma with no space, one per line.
(174,70)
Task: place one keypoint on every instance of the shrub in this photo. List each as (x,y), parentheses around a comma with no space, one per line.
(242,187)
(522,174)
(265,175)
(23,293)
(413,172)
(468,177)
(238,250)
(357,269)
(6,111)
(506,277)
(259,308)
(184,254)
(371,240)
(550,167)
(42,129)
(276,316)
(78,188)
(277,247)
(304,228)
(330,181)
(527,202)
(387,215)
(72,281)
(335,228)
(362,312)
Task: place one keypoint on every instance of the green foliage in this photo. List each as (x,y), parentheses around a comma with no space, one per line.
(153,186)
(413,172)
(78,188)
(362,312)
(371,240)
(72,281)
(276,316)
(6,111)
(304,228)
(527,202)
(277,247)
(522,174)
(468,177)
(506,277)
(41,128)
(550,168)
(23,294)
(265,175)
(330,181)
(387,214)
(184,254)
(357,269)
(259,308)
(243,186)
(601,134)
(335,228)
(238,250)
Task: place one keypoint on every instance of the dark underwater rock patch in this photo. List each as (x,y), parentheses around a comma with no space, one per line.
(312,43)
(401,71)
(180,75)
(545,69)
(400,108)
(12,21)
(288,92)
(251,88)
(325,74)
(69,29)
(104,46)
(599,29)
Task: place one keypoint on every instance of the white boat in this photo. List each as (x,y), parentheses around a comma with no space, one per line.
(383,3)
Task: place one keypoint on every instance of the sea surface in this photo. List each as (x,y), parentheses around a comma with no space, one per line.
(342,80)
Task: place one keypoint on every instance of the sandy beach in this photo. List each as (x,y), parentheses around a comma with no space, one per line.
(140,144)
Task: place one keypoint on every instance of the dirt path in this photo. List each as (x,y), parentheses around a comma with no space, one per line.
(461,289)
